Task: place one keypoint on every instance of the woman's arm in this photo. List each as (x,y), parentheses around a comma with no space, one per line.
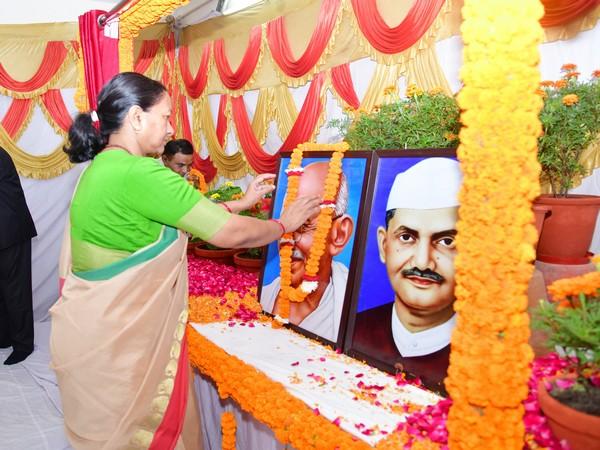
(259,187)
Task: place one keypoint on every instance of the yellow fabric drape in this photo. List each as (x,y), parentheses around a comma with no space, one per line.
(285,111)
(262,114)
(425,71)
(39,167)
(233,166)
(383,77)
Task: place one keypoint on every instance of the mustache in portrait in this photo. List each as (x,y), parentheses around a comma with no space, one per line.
(427,274)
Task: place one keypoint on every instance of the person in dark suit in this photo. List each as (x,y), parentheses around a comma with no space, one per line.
(417,245)
(16,230)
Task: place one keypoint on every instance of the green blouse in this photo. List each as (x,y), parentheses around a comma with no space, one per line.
(122,203)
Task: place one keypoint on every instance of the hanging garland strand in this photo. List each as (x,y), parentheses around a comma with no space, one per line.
(228,427)
(310,281)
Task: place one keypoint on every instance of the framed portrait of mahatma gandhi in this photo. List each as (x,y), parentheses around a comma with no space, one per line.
(402,312)
(322,314)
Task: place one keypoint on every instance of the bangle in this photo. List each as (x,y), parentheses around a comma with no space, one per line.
(227,207)
(278,222)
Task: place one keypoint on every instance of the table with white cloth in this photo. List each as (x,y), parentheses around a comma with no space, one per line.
(326,381)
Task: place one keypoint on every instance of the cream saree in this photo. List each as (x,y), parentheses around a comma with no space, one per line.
(119,351)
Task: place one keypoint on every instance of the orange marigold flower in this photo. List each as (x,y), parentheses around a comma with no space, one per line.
(436,90)
(568,67)
(587,284)
(559,84)
(389,90)
(596,74)
(541,93)
(572,74)
(450,136)
(570,99)
(547,83)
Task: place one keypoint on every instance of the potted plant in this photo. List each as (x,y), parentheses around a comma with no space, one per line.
(420,120)
(571,320)
(570,122)
(251,260)
(202,249)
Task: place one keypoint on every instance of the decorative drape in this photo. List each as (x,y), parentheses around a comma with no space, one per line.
(194,85)
(277,37)
(54,105)
(50,69)
(341,80)
(18,113)
(396,39)
(146,56)
(100,55)
(243,75)
(222,120)
(561,12)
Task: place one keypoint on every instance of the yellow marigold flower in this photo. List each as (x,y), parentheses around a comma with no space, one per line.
(572,74)
(568,67)
(436,90)
(570,99)
(596,74)
(389,90)
(229,183)
(541,93)
(215,196)
(559,84)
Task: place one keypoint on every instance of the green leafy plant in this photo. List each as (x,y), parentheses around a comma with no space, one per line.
(224,193)
(570,121)
(421,120)
(572,324)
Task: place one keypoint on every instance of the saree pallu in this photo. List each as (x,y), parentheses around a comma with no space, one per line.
(119,351)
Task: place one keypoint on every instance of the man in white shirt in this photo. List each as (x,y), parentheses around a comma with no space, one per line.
(321,311)
(417,246)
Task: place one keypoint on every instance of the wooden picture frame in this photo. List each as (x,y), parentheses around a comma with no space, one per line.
(369,336)
(322,323)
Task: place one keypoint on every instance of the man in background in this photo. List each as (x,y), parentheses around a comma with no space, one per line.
(321,311)
(16,230)
(178,156)
(417,246)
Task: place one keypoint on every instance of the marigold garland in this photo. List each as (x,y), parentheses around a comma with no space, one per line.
(228,428)
(489,363)
(324,220)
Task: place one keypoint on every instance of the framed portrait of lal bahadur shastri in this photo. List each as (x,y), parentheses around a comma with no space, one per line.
(322,314)
(402,312)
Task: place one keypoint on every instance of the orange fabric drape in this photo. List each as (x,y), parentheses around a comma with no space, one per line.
(55,105)
(390,40)
(194,86)
(147,54)
(561,12)
(238,79)
(53,59)
(342,83)
(280,47)
(15,116)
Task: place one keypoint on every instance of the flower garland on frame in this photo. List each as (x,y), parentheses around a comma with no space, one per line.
(489,363)
(228,427)
(310,280)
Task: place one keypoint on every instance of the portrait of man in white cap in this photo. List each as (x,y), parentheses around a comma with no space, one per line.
(417,247)
(321,311)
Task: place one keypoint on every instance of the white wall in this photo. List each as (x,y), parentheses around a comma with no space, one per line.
(47,11)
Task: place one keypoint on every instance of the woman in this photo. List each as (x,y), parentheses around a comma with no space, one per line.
(117,340)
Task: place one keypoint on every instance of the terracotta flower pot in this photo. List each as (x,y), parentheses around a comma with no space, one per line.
(568,229)
(580,430)
(223,256)
(247,264)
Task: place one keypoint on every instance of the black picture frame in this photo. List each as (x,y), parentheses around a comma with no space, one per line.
(359,205)
(352,347)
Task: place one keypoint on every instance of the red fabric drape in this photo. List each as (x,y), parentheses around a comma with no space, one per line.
(560,12)
(100,55)
(302,130)
(53,59)
(194,85)
(203,165)
(16,115)
(280,46)
(397,39)
(222,120)
(237,80)
(342,83)
(55,105)
(147,54)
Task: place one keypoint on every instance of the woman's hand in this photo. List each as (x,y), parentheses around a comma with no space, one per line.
(300,211)
(260,186)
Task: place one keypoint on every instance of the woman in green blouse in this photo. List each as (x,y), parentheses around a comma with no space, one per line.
(117,331)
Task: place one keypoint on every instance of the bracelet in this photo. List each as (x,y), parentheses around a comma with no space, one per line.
(227,207)
(278,222)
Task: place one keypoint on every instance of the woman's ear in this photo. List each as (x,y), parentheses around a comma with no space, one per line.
(135,118)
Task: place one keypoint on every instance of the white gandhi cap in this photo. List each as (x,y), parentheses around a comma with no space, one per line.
(430,184)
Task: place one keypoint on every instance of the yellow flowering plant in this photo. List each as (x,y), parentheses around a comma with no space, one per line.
(570,121)
(421,119)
